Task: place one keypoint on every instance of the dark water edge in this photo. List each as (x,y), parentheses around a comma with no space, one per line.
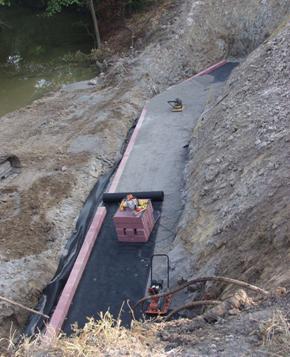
(38,54)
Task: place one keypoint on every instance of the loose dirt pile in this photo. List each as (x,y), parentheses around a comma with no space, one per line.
(66,140)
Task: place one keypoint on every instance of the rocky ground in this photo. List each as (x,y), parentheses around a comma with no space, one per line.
(236,178)
(235,220)
(260,330)
(257,331)
(236,217)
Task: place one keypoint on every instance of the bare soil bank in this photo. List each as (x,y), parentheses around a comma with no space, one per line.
(236,217)
(64,141)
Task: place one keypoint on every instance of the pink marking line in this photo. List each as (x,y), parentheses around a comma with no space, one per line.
(132,141)
(126,155)
(202,73)
(208,70)
(71,285)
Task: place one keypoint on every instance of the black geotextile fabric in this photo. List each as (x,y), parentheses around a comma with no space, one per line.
(116,272)
(52,291)
(222,73)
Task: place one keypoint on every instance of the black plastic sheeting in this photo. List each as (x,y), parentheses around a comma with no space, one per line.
(222,73)
(115,273)
(52,291)
(117,197)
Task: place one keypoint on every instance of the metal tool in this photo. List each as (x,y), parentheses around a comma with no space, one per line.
(158,306)
(176,105)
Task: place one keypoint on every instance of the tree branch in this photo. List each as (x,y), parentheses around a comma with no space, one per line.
(191,305)
(222,279)
(23,307)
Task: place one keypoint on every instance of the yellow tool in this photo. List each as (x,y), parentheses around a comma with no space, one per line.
(176,105)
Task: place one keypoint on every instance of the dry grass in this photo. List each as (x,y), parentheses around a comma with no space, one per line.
(275,333)
(105,337)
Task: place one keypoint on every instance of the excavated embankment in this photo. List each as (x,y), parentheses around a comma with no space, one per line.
(236,218)
(64,141)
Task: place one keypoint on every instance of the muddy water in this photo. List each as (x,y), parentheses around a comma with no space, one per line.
(37,54)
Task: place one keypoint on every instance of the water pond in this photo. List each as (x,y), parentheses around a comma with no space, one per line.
(40,53)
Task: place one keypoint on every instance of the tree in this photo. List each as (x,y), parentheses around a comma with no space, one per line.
(111,7)
(95,22)
(54,6)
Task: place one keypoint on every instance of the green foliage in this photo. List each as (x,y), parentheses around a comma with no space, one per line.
(4,2)
(54,6)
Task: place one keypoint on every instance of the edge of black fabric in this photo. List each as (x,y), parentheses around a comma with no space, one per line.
(118,196)
(51,293)
(222,73)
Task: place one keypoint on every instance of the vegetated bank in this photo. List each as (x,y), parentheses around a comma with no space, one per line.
(69,138)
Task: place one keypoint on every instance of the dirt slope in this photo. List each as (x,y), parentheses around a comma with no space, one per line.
(195,34)
(235,222)
(64,141)
(236,219)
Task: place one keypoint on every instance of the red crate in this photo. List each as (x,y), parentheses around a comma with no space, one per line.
(132,226)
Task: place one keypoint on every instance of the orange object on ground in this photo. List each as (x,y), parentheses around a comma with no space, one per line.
(158,306)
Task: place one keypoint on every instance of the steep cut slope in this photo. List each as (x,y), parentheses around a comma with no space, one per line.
(236,220)
(195,34)
(235,223)
(66,140)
